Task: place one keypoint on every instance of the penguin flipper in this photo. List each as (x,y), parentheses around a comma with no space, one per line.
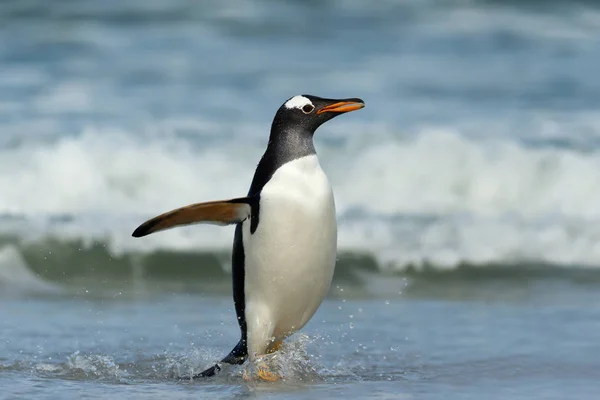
(223,212)
(238,356)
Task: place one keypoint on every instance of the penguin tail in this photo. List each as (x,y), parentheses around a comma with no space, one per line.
(237,356)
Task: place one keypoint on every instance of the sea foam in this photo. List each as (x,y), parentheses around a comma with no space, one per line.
(434,196)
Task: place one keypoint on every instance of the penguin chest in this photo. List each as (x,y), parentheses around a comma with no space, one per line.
(290,258)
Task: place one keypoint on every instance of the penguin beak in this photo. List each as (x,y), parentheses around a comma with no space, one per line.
(343,106)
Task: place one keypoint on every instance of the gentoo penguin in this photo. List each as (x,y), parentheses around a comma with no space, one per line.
(285,243)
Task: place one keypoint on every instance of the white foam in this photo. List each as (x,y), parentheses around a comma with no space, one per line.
(439,172)
(113,173)
(434,196)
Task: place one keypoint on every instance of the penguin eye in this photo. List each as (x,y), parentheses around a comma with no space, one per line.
(308,108)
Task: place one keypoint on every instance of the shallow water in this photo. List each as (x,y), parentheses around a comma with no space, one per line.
(467,193)
(78,347)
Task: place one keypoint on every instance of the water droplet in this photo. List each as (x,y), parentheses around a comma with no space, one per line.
(387,302)
(351,316)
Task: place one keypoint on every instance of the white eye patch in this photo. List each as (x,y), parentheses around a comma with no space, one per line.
(298,102)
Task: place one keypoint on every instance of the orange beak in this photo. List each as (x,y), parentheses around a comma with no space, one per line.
(342,107)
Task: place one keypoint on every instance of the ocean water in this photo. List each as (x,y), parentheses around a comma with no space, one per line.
(467,191)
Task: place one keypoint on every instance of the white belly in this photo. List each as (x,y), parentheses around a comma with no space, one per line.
(290,258)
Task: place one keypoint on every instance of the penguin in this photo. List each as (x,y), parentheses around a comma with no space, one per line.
(285,241)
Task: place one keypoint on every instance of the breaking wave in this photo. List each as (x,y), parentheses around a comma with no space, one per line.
(75,268)
(436,198)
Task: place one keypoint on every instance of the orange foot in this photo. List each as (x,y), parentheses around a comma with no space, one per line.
(266,375)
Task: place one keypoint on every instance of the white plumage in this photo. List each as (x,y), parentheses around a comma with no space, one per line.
(297,102)
(290,258)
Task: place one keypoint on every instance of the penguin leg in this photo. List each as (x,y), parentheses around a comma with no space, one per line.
(274,346)
(260,339)
(260,329)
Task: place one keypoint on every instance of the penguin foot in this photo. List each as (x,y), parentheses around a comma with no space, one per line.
(266,375)
(263,373)
(263,370)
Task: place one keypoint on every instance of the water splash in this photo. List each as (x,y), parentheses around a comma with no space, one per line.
(93,366)
(291,363)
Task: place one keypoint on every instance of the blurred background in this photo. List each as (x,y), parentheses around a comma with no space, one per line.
(479,146)
(472,174)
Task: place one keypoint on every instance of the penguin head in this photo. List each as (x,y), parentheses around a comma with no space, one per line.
(307,113)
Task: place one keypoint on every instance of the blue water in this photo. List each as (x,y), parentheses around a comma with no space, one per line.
(479,116)
(467,192)
(409,348)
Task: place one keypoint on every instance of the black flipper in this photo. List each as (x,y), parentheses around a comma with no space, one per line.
(237,356)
